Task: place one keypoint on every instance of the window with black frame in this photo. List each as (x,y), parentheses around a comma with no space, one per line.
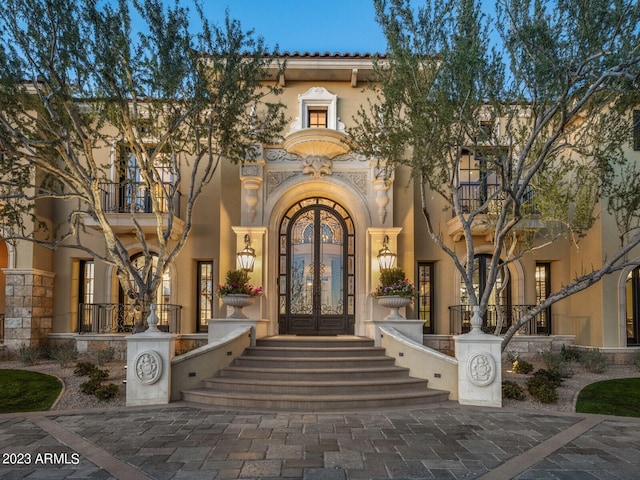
(205,292)
(425,296)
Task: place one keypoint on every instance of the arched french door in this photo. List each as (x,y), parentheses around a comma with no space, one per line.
(499,299)
(316,269)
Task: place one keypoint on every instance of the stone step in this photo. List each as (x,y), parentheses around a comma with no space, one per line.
(312,362)
(309,342)
(315,403)
(272,351)
(314,373)
(335,387)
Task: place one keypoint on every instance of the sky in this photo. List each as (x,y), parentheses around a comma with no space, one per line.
(335,26)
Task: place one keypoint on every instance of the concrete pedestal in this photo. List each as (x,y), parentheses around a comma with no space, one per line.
(149,358)
(479,369)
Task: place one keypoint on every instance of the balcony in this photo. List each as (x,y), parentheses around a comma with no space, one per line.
(460,319)
(473,196)
(121,318)
(122,202)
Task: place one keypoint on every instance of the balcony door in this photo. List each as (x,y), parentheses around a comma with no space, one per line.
(317,269)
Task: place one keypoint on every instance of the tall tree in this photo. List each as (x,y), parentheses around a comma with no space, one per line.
(532,100)
(81,77)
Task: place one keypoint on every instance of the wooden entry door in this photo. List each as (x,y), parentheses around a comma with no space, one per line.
(317,269)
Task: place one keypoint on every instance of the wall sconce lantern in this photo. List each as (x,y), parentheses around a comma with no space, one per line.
(386,258)
(246,256)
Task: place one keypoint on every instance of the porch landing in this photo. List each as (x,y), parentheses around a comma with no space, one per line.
(315,373)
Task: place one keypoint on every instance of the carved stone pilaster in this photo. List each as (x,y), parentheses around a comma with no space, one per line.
(251,176)
(382,186)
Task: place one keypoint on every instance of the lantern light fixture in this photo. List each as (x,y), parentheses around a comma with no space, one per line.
(386,258)
(246,256)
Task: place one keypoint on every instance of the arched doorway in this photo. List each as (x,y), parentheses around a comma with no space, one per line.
(499,297)
(316,281)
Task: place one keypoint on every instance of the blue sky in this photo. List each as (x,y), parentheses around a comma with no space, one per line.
(301,25)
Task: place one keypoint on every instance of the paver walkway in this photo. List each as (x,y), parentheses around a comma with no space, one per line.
(445,441)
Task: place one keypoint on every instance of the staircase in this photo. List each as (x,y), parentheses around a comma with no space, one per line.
(314,373)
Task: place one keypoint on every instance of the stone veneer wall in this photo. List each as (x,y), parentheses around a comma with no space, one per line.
(29,307)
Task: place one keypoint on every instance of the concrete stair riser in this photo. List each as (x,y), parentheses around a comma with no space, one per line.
(315,352)
(314,374)
(314,388)
(314,363)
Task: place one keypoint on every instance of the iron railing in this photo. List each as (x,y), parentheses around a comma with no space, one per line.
(473,195)
(126,197)
(122,318)
(460,319)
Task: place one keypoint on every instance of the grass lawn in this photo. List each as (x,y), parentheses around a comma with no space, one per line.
(26,391)
(611,397)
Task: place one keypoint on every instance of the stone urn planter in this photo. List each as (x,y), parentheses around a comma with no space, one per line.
(238,301)
(394,302)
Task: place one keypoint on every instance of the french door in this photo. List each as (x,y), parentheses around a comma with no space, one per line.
(317,269)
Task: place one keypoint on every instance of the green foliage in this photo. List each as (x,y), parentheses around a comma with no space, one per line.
(552,131)
(84,369)
(103,356)
(522,366)
(512,390)
(570,354)
(90,386)
(594,361)
(64,353)
(555,362)
(28,355)
(78,77)
(25,391)
(237,282)
(107,392)
(94,385)
(543,386)
(394,282)
(611,397)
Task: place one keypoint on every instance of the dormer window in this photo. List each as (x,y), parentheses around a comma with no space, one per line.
(317,118)
(317,108)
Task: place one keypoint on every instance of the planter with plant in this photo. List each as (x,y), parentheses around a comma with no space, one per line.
(236,292)
(395,291)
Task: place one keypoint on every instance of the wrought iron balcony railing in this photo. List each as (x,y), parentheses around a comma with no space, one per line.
(137,197)
(460,319)
(474,195)
(121,318)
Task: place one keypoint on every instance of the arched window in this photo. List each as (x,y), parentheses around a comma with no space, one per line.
(499,298)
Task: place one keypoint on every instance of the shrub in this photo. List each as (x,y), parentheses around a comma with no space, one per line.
(542,388)
(555,362)
(91,386)
(84,369)
(570,354)
(64,353)
(594,361)
(103,355)
(543,392)
(107,392)
(553,377)
(512,390)
(522,366)
(28,355)
(99,375)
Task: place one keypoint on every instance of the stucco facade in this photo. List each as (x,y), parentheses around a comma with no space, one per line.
(313,167)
